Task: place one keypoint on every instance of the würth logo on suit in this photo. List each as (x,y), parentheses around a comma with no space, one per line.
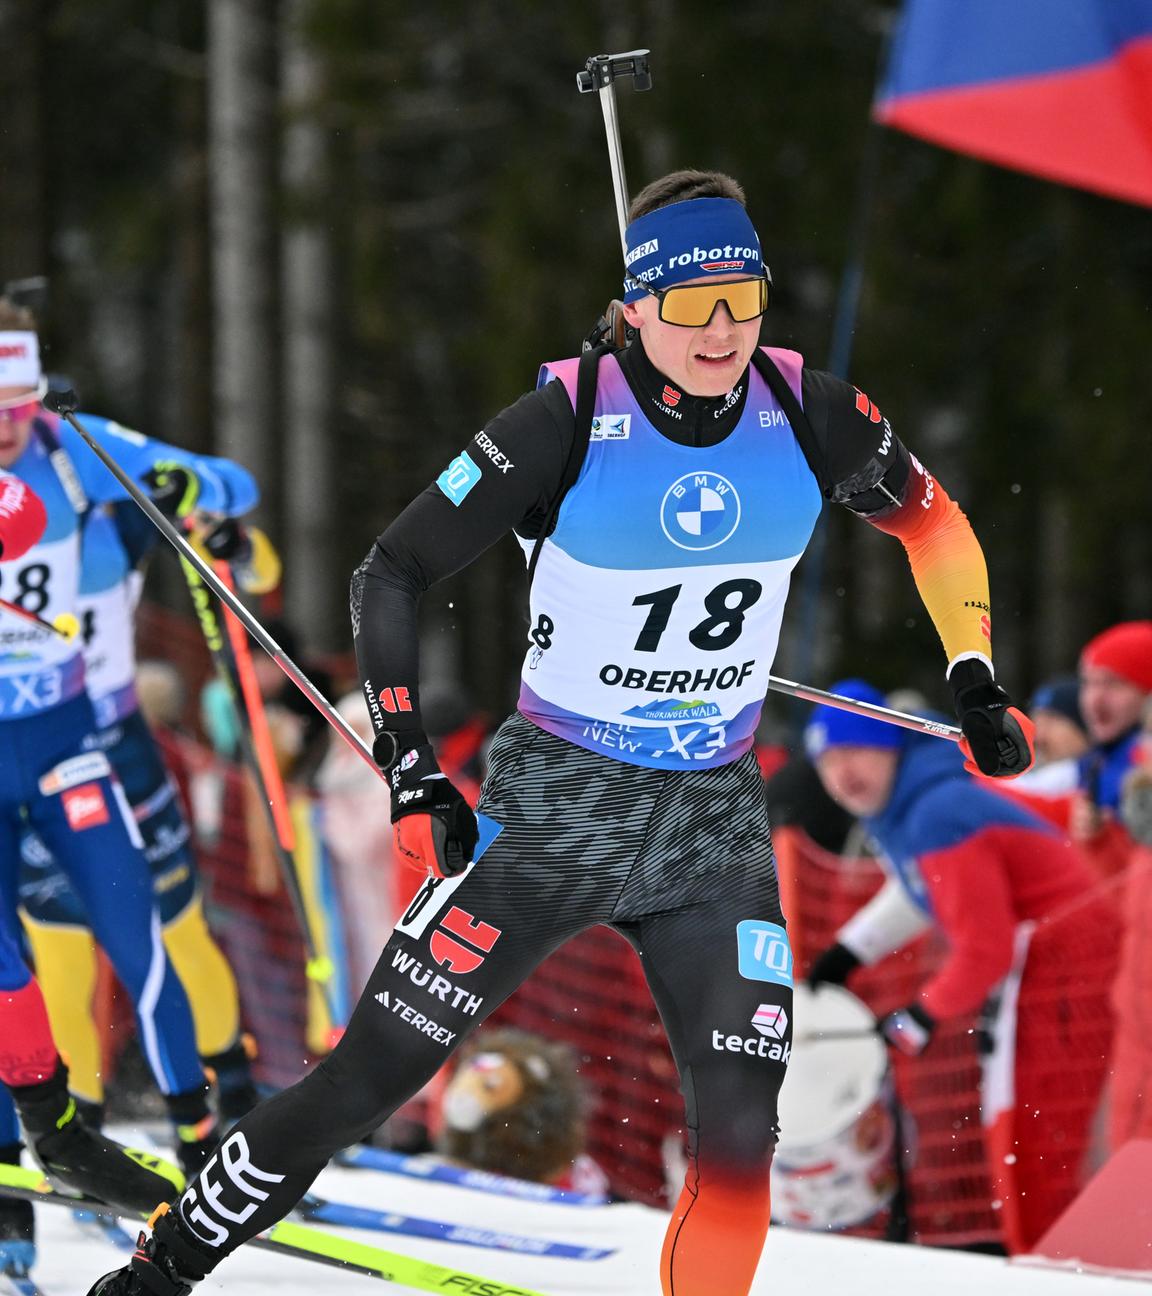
(461,942)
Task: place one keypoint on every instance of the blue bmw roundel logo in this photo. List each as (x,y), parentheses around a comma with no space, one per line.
(700,510)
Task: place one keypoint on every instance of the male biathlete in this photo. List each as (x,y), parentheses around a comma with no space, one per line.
(115,540)
(54,778)
(624,790)
(32,1074)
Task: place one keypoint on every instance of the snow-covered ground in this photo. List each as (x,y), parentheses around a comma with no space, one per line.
(793,1262)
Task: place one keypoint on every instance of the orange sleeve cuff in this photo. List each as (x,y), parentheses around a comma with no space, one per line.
(947,564)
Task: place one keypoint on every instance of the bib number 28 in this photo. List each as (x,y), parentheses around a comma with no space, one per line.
(31,592)
(726,606)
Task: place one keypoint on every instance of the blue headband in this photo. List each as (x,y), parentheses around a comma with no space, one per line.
(687,240)
(832,727)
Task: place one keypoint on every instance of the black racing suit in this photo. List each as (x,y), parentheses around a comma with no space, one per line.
(674,861)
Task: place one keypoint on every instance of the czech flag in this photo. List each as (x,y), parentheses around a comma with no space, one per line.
(1059,88)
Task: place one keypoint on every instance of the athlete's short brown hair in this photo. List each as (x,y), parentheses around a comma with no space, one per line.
(679,186)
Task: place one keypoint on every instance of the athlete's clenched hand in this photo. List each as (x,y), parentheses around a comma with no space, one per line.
(435,827)
(997,738)
(175,488)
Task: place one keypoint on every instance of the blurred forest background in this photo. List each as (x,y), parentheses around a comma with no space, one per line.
(331,238)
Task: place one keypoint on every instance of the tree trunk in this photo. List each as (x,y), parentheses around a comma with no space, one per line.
(23,235)
(314,589)
(242,160)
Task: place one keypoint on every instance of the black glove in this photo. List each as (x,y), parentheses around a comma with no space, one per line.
(227,541)
(833,967)
(435,827)
(908,1029)
(174,488)
(998,737)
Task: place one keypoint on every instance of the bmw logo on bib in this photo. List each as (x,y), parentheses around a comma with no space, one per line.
(700,511)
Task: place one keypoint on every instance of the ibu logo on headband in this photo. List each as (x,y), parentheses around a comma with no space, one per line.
(19,359)
(689,240)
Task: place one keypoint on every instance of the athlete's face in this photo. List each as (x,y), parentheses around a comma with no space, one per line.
(858,778)
(16,417)
(705,361)
(1109,704)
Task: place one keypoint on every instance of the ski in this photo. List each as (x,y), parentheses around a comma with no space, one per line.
(362,1157)
(303,1243)
(102,1224)
(344,1215)
(19,1285)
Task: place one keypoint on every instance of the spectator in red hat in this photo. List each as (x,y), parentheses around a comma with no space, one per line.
(1115,686)
(1115,683)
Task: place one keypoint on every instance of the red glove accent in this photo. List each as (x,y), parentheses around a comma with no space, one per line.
(415,844)
(22,518)
(1027,733)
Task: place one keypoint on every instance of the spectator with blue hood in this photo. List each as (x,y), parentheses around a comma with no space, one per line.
(1029,942)
(1061,738)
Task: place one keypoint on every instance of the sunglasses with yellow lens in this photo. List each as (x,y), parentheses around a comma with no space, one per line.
(693,305)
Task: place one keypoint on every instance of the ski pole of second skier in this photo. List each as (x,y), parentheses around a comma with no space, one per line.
(64,403)
(65,625)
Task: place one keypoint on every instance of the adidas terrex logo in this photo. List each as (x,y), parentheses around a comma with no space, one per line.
(435,984)
(493,451)
(417,1020)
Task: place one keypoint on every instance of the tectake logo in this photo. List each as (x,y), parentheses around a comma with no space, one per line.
(771,1020)
(929,483)
(700,511)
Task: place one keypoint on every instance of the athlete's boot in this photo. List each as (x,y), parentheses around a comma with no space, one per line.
(165,1264)
(91,1113)
(197,1132)
(231,1072)
(81,1161)
(17,1226)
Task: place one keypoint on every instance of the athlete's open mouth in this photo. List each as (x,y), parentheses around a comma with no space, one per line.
(715,357)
